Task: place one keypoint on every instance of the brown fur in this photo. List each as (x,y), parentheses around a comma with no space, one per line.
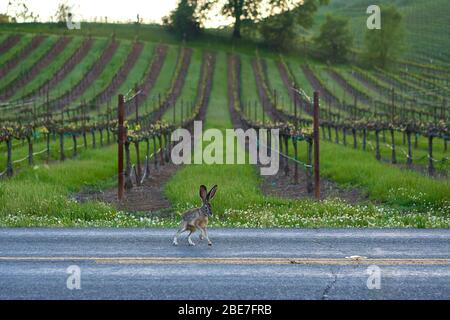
(197,218)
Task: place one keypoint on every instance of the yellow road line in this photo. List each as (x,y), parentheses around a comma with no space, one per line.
(235,261)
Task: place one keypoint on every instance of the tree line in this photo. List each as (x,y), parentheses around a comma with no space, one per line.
(279,24)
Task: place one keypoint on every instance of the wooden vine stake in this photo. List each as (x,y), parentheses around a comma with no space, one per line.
(121,138)
(316,146)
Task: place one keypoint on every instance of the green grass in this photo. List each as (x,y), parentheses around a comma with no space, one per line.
(396,187)
(277,84)
(24,65)
(419,154)
(105,77)
(237,183)
(398,198)
(48,188)
(402,188)
(164,81)
(240,203)
(301,79)
(138,71)
(189,92)
(249,90)
(81,69)
(48,201)
(49,70)
(20,149)
(24,41)
(424,25)
(218,39)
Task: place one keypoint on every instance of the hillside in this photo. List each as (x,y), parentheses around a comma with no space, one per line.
(426,25)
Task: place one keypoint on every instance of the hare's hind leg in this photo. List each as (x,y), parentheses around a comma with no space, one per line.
(182,229)
(191,243)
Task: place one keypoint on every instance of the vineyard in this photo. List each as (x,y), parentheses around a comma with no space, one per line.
(383,135)
(427,41)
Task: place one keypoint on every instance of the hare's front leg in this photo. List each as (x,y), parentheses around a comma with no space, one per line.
(205,234)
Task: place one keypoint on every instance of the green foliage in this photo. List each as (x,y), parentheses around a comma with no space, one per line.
(334,41)
(426,34)
(183,21)
(62,12)
(253,11)
(278,31)
(383,45)
(304,13)
(21,11)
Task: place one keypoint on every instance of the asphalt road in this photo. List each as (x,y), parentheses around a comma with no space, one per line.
(242,264)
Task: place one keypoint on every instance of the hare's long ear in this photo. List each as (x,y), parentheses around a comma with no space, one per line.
(212,193)
(203,193)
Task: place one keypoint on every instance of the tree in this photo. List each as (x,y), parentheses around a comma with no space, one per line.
(62,12)
(184,21)
(239,10)
(386,43)
(278,31)
(21,12)
(334,41)
(257,10)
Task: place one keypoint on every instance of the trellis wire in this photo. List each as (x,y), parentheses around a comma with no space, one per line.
(27,157)
(285,156)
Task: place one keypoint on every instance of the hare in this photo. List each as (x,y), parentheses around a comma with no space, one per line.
(197,218)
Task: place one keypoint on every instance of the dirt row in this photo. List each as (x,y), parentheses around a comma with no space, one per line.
(369,84)
(265,100)
(419,168)
(282,184)
(9,42)
(149,197)
(21,55)
(93,73)
(67,67)
(289,83)
(207,77)
(352,92)
(317,86)
(173,95)
(149,80)
(34,70)
(120,76)
(234,89)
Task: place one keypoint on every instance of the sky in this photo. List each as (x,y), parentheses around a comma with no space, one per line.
(115,10)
